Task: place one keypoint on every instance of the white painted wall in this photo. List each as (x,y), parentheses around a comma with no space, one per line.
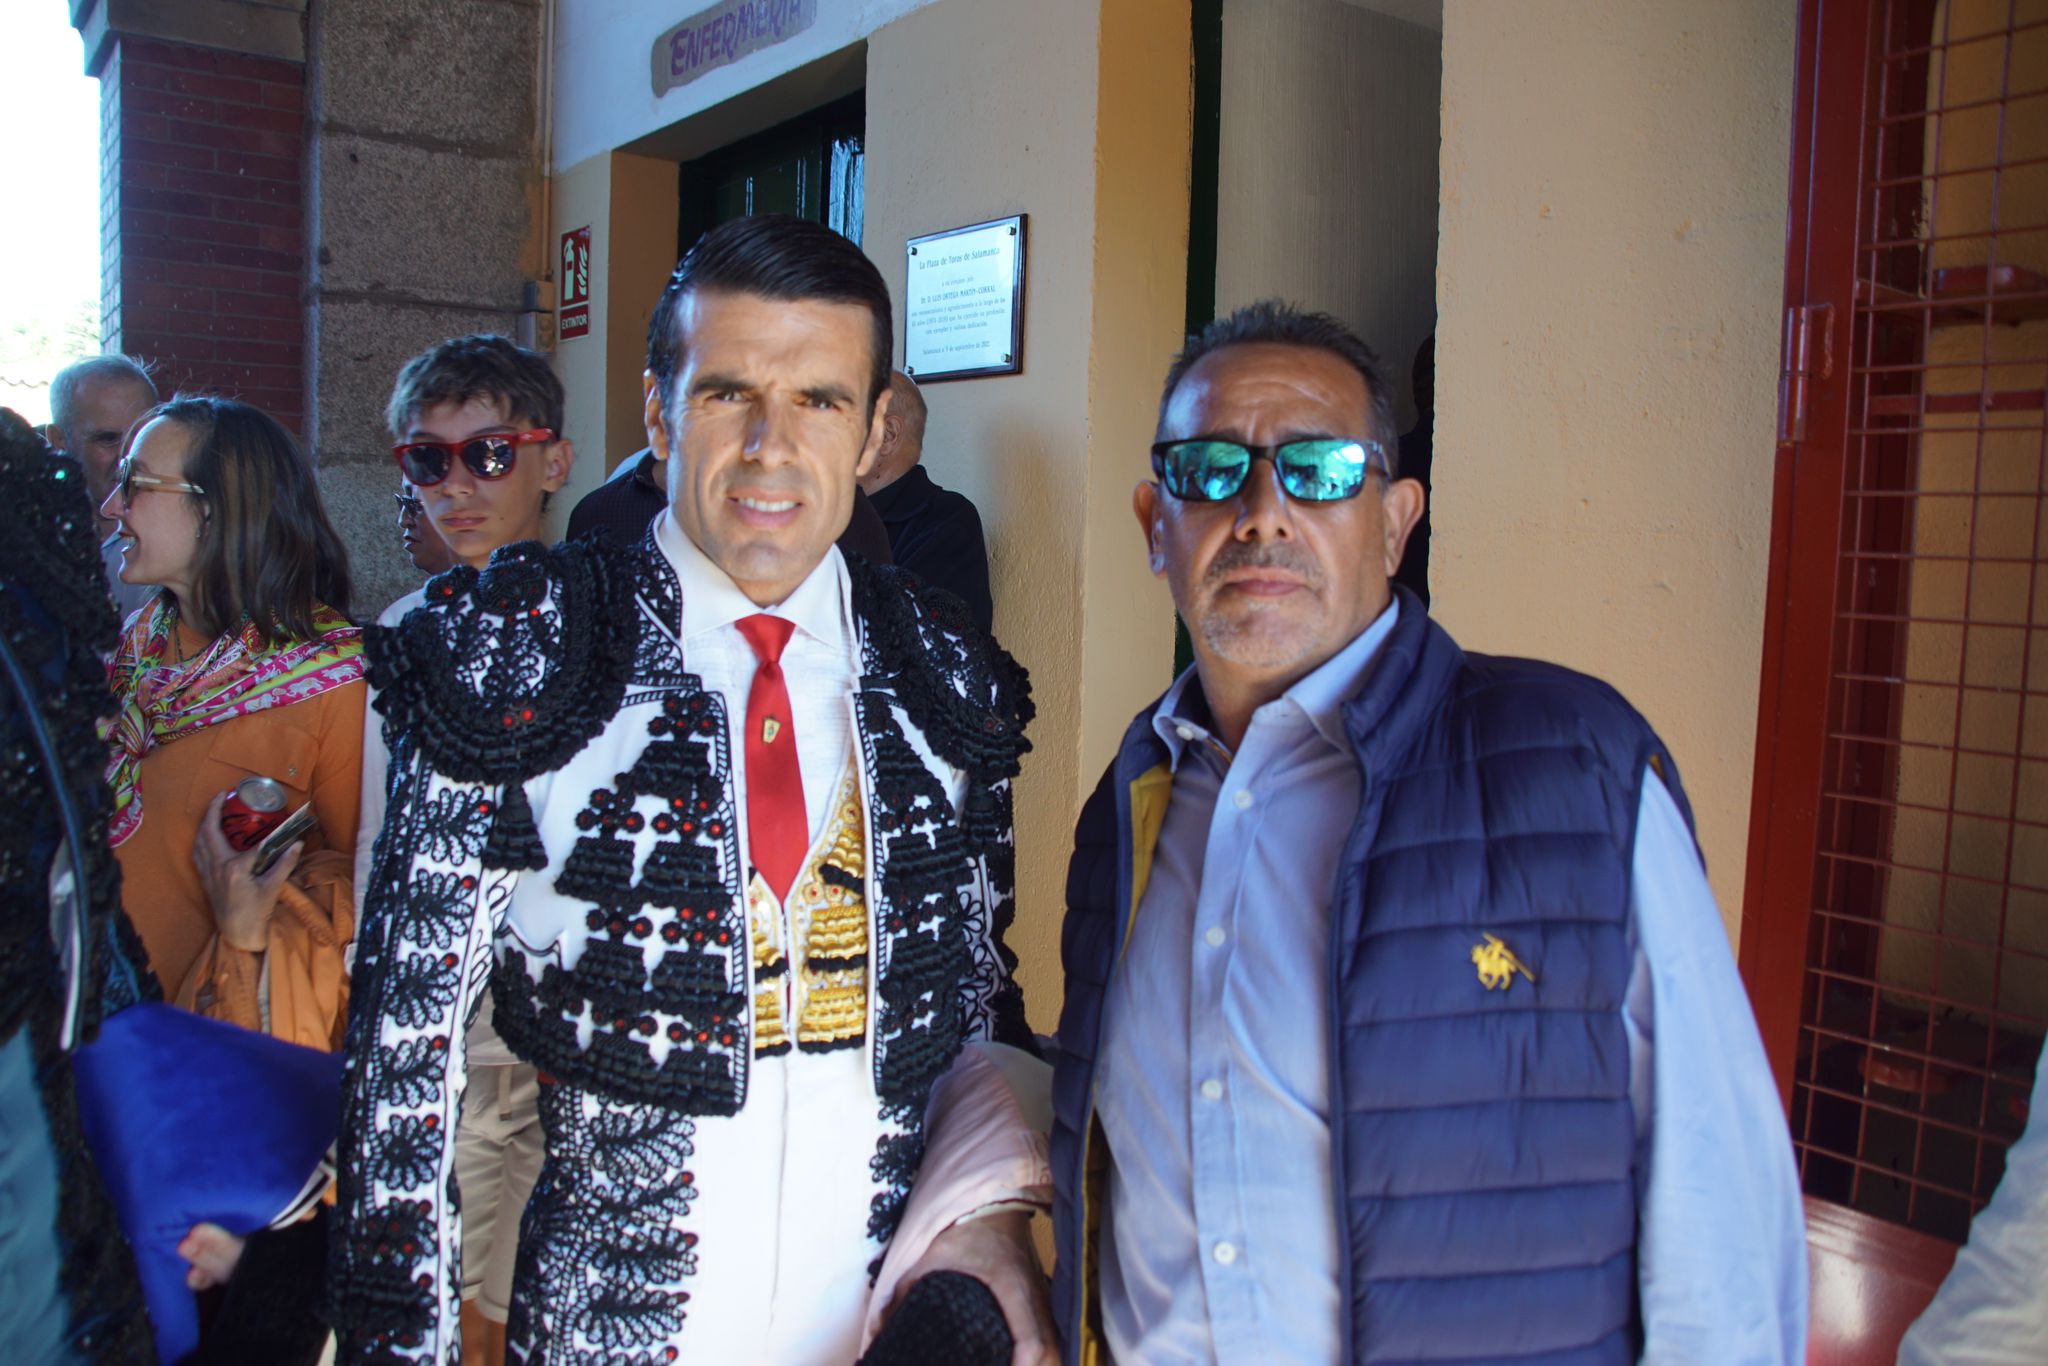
(604,95)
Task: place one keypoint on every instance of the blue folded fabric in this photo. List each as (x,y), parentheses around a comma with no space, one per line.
(192,1120)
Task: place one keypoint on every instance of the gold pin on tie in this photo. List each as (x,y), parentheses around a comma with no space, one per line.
(770,728)
(1497,964)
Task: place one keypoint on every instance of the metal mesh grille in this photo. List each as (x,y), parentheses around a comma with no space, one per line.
(1926,987)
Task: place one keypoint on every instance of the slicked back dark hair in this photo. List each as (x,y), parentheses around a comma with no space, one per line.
(266,548)
(777,257)
(482,366)
(1274,322)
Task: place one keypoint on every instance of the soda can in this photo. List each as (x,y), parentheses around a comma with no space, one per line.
(254,809)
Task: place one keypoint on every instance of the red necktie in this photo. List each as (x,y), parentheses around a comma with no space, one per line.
(778,831)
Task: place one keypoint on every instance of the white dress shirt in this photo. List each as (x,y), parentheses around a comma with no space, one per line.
(788,1174)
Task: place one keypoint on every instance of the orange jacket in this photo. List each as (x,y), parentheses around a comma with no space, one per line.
(313,748)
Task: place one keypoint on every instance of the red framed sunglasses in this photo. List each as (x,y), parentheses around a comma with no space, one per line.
(426,463)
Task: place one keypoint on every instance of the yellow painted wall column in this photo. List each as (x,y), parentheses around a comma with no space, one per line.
(641,257)
(582,198)
(1610,280)
(1077,113)
(629,204)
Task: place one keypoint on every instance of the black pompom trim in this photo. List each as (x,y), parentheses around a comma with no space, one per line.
(514,841)
(490,688)
(965,694)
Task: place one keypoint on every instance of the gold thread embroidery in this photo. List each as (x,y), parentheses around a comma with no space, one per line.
(771,976)
(833,986)
(827,928)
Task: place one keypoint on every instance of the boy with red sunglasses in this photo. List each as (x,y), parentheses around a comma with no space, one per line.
(478,426)
(478,422)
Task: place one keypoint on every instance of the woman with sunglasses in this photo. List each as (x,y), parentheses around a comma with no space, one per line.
(242,666)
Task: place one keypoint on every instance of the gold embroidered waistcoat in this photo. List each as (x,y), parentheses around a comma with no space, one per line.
(823,930)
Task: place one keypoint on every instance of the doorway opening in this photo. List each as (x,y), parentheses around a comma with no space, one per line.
(810,166)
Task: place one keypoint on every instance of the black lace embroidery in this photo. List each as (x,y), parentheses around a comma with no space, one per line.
(413,1070)
(964,693)
(610,1259)
(391,1312)
(695,996)
(971,702)
(945,974)
(452,820)
(380,1301)
(549,680)
(438,904)
(657,663)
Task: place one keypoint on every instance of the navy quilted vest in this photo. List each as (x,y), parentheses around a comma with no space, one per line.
(1483,1143)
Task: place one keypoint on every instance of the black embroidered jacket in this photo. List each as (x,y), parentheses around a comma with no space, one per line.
(499,682)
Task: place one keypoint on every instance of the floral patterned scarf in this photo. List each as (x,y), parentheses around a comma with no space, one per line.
(239,673)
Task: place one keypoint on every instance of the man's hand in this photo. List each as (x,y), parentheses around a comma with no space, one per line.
(996,1249)
(213,1253)
(242,902)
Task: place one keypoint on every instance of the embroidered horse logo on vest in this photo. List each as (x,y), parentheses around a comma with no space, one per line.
(1497,964)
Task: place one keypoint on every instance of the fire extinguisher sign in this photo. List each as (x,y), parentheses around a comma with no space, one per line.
(575,315)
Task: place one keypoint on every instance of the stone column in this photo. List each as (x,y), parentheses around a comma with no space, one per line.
(424,223)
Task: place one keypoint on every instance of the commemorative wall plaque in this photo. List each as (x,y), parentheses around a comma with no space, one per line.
(963,302)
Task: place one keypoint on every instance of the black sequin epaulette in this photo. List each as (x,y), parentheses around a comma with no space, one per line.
(502,676)
(965,694)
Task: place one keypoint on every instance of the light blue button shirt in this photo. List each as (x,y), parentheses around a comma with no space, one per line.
(1220,1241)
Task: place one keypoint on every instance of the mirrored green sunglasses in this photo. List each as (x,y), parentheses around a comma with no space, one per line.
(1320,469)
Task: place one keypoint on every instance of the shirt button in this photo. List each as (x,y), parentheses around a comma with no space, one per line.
(1212,1089)
(1225,1253)
(1214,937)
(1184,732)
(1243,799)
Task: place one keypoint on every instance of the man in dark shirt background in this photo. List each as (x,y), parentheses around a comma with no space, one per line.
(623,506)
(934,532)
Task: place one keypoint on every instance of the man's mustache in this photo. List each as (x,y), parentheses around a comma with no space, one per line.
(1242,555)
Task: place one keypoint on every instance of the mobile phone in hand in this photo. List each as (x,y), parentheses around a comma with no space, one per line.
(296,825)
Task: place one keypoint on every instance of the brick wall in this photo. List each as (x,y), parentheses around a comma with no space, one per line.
(202,229)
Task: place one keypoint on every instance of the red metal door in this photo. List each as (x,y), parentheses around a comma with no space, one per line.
(1895,926)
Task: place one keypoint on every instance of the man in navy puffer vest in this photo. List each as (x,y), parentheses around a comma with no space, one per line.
(1400,1023)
